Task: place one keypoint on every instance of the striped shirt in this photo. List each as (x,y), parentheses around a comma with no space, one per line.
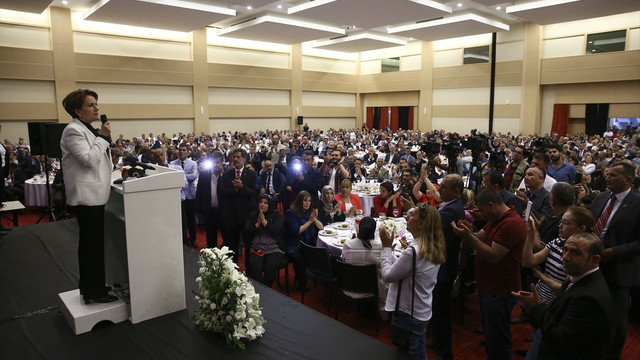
(553,269)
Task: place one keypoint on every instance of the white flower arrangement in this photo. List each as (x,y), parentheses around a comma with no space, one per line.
(392,226)
(229,305)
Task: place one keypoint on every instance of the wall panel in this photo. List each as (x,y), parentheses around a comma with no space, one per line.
(447,58)
(240,76)
(312,63)
(25,37)
(330,123)
(328,82)
(248,125)
(604,67)
(140,94)
(24,91)
(410,63)
(128,46)
(460,125)
(403,98)
(248,111)
(563,47)
(235,56)
(314,98)
(135,127)
(233,96)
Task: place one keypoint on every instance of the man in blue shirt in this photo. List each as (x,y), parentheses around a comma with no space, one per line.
(188,195)
(560,169)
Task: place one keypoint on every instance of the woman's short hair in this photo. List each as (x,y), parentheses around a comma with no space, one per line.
(345,183)
(75,100)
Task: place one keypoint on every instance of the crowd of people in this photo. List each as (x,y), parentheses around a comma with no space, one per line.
(532,211)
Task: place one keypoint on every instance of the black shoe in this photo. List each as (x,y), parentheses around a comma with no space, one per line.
(101,300)
(521,352)
(479,331)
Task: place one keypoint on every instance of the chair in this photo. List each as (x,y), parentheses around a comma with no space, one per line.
(284,266)
(318,267)
(358,283)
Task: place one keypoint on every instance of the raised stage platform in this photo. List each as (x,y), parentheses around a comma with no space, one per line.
(37,262)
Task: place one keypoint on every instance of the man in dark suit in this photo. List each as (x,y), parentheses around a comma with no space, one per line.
(579,323)
(272,182)
(208,198)
(451,210)
(238,190)
(620,233)
(536,193)
(494,181)
(393,157)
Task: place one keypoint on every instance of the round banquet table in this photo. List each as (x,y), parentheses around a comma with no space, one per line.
(35,191)
(336,234)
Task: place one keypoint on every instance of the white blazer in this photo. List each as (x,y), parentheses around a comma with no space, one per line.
(86,165)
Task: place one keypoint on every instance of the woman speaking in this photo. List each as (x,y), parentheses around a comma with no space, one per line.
(86,166)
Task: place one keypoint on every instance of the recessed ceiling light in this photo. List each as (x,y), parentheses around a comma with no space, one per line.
(279,6)
(249,7)
(411,38)
(498,7)
(459,4)
(65,3)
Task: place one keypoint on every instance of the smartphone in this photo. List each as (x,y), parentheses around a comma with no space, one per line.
(258,252)
(527,213)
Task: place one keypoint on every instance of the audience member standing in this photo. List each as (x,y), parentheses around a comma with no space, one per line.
(238,188)
(536,193)
(333,171)
(560,169)
(451,210)
(272,182)
(190,169)
(209,198)
(499,245)
(516,168)
(305,177)
(617,211)
(578,324)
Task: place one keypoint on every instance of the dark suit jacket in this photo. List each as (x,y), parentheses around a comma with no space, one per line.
(541,204)
(577,324)
(203,194)
(238,204)
(279,181)
(511,199)
(393,160)
(452,212)
(623,236)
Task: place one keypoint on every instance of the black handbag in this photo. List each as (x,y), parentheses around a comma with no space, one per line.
(400,335)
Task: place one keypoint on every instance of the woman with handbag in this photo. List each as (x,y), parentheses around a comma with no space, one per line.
(412,277)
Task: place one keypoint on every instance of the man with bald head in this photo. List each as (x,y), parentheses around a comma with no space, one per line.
(536,193)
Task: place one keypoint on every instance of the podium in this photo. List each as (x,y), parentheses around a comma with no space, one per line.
(143,242)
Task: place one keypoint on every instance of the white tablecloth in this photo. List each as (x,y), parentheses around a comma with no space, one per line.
(343,231)
(35,191)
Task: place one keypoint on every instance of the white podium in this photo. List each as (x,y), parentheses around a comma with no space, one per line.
(143,242)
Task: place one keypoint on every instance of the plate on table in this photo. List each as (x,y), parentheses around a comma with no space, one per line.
(341,226)
(329,232)
(340,241)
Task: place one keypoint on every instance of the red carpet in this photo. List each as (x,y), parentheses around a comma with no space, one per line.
(466,342)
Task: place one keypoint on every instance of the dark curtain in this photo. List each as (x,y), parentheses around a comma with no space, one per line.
(384,118)
(403,117)
(393,121)
(369,119)
(376,118)
(596,118)
(560,119)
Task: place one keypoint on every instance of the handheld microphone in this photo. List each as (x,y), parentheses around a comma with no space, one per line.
(133,161)
(103,118)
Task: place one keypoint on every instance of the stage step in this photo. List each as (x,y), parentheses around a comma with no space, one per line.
(82,318)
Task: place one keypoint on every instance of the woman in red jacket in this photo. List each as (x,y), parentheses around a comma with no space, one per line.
(350,202)
(387,201)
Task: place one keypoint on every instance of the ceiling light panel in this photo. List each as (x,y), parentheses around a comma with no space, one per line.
(173,15)
(356,42)
(280,29)
(450,27)
(369,14)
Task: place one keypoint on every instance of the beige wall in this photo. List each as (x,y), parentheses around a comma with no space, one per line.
(199,82)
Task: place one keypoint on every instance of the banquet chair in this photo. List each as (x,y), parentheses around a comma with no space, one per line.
(358,283)
(318,268)
(284,266)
